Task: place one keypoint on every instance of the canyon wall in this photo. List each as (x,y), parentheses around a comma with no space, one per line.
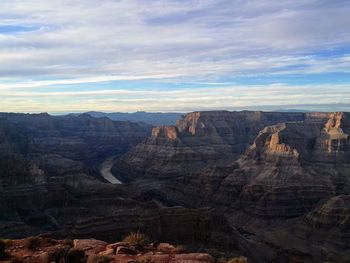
(176,155)
(49,182)
(281,179)
(273,185)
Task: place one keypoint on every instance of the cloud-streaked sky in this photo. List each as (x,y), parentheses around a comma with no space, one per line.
(172,55)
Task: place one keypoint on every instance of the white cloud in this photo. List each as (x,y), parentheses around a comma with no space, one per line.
(124,37)
(89,41)
(230,97)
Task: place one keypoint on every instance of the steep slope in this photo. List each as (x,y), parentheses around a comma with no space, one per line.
(175,156)
(78,138)
(292,166)
(47,163)
(286,193)
(291,187)
(49,182)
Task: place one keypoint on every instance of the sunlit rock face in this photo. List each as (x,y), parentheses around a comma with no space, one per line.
(176,156)
(333,144)
(198,140)
(291,166)
(261,168)
(280,179)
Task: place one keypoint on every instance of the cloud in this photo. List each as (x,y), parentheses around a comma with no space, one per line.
(52,44)
(125,37)
(96,79)
(216,97)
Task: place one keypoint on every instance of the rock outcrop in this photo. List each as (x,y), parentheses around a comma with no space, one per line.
(198,140)
(335,212)
(288,188)
(181,153)
(48,162)
(291,167)
(82,138)
(291,187)
(49,183)
(92,250)
(273,185)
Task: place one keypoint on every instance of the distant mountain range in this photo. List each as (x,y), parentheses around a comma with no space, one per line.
(153,118)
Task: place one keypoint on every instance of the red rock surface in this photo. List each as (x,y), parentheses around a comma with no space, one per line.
(148,253)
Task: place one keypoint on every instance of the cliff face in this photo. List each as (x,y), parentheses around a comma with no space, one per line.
(49,182)
(294,178)
(335,212)
(47,163)
(40,154)
(282,178)
(35,143)
(206,159)
(292,166)
(78,138)
(198,141)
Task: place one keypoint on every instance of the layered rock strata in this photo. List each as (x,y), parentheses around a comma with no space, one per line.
(291,167)
(175,156)
(48,183)
(287,190)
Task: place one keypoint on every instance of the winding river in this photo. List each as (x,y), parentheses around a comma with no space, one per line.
(106,171)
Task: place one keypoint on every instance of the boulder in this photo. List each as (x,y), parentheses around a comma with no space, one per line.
(166,248)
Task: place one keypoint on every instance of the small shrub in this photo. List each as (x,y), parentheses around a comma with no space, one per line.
(76,256)
(136,239)
(98,259)
(238,260)
(32,243)
(55,254)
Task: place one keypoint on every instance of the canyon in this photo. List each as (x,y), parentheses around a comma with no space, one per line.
(282,180)
(51,181)
(268,185)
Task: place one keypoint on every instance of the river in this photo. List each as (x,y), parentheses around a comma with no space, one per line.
(106,171)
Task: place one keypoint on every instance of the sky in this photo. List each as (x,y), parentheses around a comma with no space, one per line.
(62,56)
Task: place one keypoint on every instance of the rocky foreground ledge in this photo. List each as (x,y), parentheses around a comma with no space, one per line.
(134,249)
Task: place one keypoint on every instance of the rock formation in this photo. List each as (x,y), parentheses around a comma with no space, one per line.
(335,212)
(49,182)
(292,166)
(294,178)
(288,188)
(198,141)
(44,249)
(275,186)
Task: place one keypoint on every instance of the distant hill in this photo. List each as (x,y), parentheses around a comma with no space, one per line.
(154,118)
